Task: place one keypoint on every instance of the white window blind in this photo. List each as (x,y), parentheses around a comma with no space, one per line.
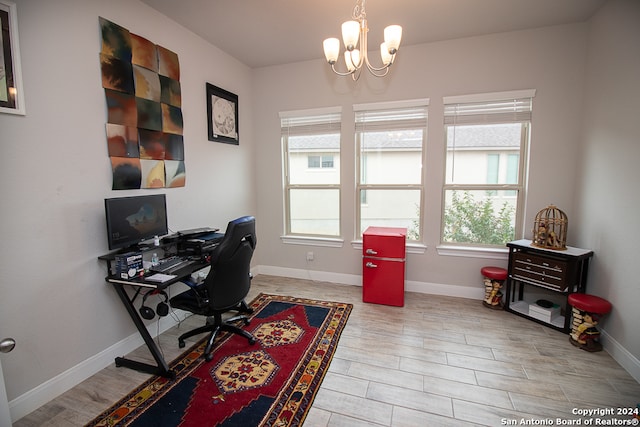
(501,107)
(392,117)
(310,122)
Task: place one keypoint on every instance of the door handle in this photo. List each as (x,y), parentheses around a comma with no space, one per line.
(371,265)
(7,344)
(371,252)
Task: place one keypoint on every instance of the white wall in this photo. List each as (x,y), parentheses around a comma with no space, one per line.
(55,174)
(549,60)
(609,204)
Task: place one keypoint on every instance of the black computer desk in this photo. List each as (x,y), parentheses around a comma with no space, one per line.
(139,284)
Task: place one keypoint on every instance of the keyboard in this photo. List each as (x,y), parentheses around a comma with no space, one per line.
(171,264)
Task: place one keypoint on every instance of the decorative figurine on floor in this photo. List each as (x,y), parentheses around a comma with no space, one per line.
(493,280)
(585,335)
(586,312)
(492,293)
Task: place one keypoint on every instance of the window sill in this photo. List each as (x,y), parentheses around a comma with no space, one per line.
(473,252)
(313,241)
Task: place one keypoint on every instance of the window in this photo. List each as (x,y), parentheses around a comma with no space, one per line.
(390,140)
(311,150)
(320,162)
(486,144)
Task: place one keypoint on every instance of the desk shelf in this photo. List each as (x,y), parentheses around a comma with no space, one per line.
(536,273)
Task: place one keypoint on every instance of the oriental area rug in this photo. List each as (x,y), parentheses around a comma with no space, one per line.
(270,383)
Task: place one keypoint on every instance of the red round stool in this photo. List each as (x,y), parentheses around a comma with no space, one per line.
(586,312)
(494,278)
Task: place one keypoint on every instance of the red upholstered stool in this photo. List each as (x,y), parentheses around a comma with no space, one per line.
(586,312)
(494,278)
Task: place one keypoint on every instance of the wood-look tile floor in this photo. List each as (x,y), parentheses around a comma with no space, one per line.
(437,361)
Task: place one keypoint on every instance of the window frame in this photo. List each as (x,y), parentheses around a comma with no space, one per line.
(313,121)
(322,158)
(361,188)
(520,188)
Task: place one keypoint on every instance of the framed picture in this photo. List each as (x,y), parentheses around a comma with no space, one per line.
(11,94)
(222,112)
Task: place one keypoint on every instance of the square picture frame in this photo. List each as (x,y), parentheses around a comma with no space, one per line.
(222,115)
(11,92)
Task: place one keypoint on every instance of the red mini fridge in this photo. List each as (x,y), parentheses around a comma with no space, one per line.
(383,262)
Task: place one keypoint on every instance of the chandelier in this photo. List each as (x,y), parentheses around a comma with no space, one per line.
(356,54)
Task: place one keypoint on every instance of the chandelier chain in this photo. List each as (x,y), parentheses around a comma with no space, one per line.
(359,12)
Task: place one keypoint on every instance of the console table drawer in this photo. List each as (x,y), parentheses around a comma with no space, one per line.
(543,271)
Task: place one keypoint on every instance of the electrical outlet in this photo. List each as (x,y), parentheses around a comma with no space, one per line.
(309,256)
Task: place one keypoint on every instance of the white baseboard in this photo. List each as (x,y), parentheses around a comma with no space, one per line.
(317,276)
(476,293)
(45,392)
(621,355)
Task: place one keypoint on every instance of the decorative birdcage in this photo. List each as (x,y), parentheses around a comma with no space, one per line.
(550,229)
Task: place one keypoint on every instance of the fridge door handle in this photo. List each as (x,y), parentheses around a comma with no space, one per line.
(371,252)
(369,264)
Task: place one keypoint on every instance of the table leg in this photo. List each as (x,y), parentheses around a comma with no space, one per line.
(161,368)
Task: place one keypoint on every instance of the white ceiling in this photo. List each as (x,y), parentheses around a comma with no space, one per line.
(270,32)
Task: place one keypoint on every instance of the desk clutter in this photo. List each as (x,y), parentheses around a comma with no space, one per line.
(158,263)
(129,265)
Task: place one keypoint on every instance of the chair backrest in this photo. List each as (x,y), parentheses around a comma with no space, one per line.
(229,279)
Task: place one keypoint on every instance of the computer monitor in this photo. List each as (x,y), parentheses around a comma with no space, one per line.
(132,220)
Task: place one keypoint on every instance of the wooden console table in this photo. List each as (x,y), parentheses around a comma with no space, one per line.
(536,274)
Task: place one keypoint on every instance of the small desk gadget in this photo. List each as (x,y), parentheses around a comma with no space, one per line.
(141,281)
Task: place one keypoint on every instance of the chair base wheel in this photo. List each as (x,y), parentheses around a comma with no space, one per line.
(181,344)
(252,341)
(208,357)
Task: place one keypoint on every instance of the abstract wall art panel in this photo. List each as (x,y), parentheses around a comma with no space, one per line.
(152,144)
(144,53)
(149,114)
(127,173)
(144,125)
(122,141)
(171,119)
(174,147)
(116,74)
(171,92)
(168,64)
(175,173)
(152,173)
(116,40)
(121,108)
(147,83)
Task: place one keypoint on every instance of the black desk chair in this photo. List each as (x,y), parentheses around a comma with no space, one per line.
(225,287)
